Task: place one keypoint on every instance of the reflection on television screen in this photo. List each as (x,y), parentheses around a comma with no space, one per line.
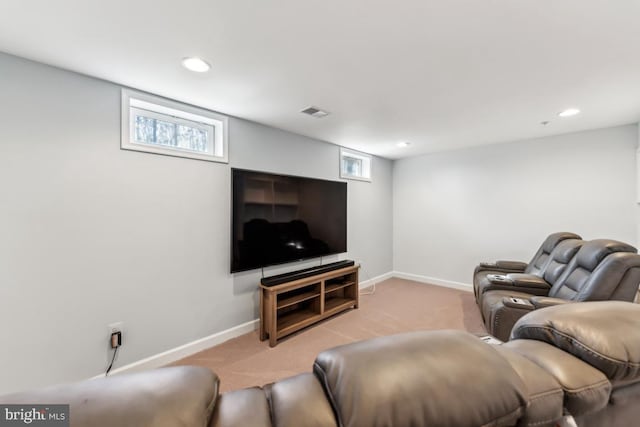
(278,219)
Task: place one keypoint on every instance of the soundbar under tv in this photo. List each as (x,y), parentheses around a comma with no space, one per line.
(307,272)
(281,218)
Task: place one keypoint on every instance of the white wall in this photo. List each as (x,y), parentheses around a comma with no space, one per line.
(91,234)
(452,210)
(638,188)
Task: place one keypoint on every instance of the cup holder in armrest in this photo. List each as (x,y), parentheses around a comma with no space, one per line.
(499,279)
(519,303)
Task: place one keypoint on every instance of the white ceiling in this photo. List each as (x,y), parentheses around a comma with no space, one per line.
(441,74)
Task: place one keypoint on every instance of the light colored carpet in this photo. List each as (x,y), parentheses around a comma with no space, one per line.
(396,306)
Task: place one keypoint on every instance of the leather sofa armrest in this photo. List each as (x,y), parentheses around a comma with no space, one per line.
(176,396)
(499,279)
(528,281)
(542,302)
(512,265)
(517,282)
(502,266)
(586,389)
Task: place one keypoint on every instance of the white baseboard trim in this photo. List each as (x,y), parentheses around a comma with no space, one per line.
(375,280)
(434,281)
(175,354)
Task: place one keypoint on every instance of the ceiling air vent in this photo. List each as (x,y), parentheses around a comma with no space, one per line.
(315,112)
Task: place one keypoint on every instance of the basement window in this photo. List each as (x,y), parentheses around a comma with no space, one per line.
(355,165)
(161,126)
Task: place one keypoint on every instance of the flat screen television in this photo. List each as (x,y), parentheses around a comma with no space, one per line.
(279,218)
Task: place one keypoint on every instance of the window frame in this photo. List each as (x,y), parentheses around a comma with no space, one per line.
(366,169)
(180,114)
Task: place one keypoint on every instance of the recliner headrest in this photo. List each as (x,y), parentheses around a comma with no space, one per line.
(594,251)
(555,238)
(566,250)
(560,258)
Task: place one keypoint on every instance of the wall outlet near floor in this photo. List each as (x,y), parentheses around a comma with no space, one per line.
(115,327)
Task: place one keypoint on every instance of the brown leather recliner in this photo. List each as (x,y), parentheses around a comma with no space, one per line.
(602,269)
(580,359)
(535,266)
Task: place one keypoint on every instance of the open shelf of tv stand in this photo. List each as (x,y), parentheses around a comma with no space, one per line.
(291,306)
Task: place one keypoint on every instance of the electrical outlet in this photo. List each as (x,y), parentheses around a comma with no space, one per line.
(115,327)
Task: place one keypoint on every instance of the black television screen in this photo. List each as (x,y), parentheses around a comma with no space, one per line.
(280,218)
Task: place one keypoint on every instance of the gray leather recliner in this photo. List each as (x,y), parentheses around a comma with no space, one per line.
(539,284)
(599,334)
(601,270)
(534,267)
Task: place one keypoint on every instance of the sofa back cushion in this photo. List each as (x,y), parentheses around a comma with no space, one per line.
(299,400)
(578,281)
(560,258)
(421,379)
(540,259)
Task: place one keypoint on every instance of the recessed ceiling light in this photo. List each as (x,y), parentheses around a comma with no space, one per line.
(196,64)
(403,144)
(569,112)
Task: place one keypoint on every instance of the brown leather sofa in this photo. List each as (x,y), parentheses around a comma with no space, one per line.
(581,359)
(597,270)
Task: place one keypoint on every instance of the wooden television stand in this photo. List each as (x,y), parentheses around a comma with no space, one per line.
(291,306)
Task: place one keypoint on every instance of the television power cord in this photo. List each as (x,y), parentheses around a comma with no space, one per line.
(372,287)
(115,351)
